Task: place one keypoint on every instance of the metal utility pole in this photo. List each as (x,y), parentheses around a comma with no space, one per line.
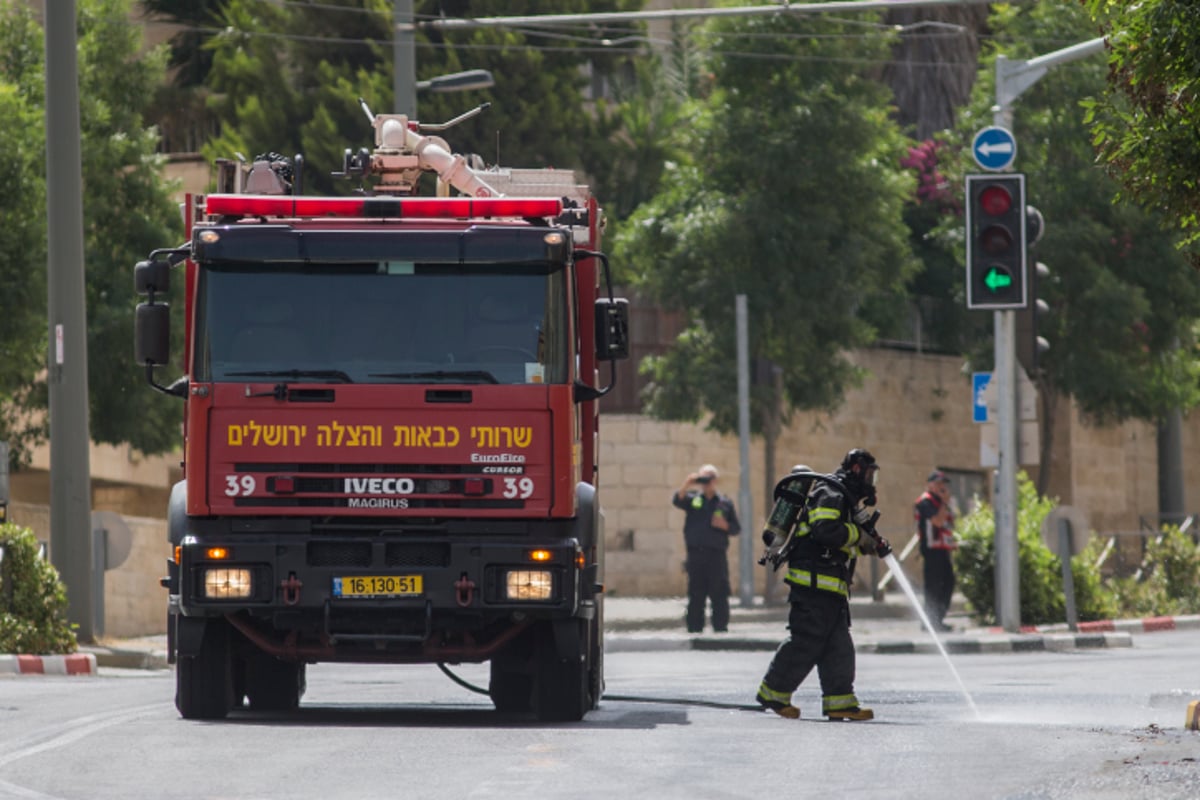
(404,59)
(745,508)
(70,471)
(1013,78)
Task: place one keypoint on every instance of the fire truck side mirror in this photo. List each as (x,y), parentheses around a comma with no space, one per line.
(152,334)
(612,329)
(152,276)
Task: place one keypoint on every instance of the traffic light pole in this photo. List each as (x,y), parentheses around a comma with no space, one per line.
(1013,78)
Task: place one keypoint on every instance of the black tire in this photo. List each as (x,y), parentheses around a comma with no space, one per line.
(561,692)
(511,685)
(511,691)
(596,659)
(204,682)
(274,685)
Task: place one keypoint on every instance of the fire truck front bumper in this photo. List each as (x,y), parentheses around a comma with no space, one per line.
(379,589)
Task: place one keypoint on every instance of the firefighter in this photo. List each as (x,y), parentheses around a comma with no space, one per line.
(835,527)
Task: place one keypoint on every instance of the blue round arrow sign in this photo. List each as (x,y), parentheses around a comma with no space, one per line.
(994,148)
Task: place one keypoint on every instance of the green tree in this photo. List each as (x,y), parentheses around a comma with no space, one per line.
(1123,298)
(287,78)
(23,331)
(792,195)
(127,212)
(1145,126)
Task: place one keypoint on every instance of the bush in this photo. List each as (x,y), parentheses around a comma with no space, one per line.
(1039,569)
(1171,582)
(33,601)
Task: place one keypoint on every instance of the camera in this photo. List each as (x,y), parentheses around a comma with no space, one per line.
(704,479)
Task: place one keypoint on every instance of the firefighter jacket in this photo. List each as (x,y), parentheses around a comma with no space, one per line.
(827,542)
(934,536)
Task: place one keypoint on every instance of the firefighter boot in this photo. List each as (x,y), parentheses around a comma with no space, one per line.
(779,702)
(855,713)
(844,706)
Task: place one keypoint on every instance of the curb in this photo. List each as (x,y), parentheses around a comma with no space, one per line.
(129,659)
(73,664)
(1021,643)
(1144,625)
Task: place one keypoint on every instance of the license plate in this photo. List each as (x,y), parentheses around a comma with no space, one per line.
(377,586)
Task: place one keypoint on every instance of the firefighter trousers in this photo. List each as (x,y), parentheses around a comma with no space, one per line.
(819,623)
(939,584)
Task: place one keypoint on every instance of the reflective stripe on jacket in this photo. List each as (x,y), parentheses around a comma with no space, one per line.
(815,580)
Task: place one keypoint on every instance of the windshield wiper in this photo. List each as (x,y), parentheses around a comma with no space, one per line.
(295,374)
(461,376)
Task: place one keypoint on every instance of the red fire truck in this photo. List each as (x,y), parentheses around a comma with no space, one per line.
(390,436)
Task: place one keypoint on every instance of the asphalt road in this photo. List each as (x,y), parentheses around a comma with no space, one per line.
(1080,724)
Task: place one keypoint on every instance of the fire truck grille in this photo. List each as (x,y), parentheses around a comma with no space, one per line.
(339,554)
(404,554)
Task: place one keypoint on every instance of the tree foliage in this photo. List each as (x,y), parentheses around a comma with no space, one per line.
(23,233)
(1122,298)
(788,190)
(1145,127)
(33,601)
(287,78)
(127,212)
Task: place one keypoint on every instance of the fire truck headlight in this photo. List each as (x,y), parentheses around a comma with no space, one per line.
(529,584)
(225,583)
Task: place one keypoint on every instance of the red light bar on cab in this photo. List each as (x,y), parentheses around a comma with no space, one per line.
(267,205)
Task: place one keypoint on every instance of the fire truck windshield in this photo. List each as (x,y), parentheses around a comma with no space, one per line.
(389,322)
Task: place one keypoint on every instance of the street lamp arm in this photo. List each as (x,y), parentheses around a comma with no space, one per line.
(1014,77)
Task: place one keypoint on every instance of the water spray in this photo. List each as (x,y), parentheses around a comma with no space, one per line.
(902,579)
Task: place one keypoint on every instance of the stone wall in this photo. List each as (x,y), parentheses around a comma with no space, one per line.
(913,412)
(134,603)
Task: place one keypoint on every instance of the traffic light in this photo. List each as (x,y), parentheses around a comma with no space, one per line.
(996,242)
(1031,346)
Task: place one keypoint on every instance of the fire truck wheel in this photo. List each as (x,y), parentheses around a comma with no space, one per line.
(595,662)
(511,691)
(511,685)
(274,685)
(561,684)
(204,682)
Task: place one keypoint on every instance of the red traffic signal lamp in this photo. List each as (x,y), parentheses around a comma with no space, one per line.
(996,242)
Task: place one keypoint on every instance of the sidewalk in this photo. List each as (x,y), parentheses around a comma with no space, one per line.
(889,626)
(634,624)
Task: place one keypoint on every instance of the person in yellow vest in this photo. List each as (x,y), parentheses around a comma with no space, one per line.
(835,527)
(710,521)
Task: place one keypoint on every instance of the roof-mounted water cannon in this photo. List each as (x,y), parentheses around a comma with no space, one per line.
(403,152)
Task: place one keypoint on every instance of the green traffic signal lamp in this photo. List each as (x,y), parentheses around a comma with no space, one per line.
(996,242)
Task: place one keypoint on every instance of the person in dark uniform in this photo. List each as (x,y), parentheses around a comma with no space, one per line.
(711,520)
(835,526)
(935,526)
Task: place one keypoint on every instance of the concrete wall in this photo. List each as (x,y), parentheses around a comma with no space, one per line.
(134,603)
(913,412)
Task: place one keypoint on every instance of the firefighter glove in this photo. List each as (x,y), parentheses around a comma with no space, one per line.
(882,548)
(862,516)
(867,543)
